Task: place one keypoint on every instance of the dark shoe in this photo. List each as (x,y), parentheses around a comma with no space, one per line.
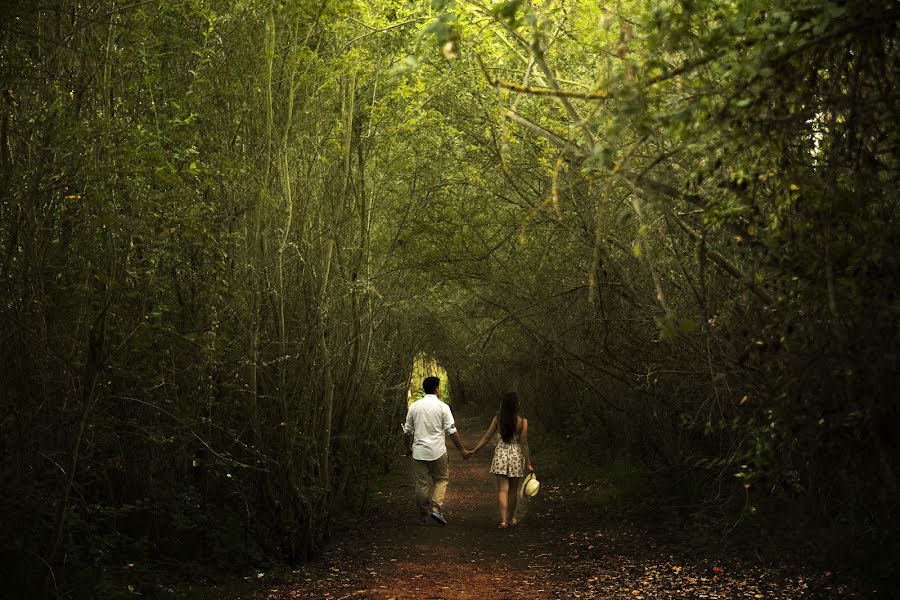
(423,520)
(439,517)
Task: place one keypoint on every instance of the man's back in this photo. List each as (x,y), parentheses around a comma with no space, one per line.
(427,420)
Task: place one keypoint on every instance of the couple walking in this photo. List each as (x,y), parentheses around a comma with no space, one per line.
(429,419)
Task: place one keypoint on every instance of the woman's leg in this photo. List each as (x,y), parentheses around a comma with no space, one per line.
(502,494)
(513,499)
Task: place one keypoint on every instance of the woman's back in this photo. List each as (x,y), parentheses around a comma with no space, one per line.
(517,432)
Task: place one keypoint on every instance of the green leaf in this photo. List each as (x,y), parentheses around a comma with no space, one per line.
(508,11)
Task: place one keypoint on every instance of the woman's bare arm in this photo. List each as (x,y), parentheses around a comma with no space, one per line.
(492,429)
(523,441)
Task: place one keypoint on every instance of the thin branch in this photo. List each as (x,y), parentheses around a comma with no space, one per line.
(188,427)
(512,314)
(545,91)
(553,138)
(372,30)
(723,262)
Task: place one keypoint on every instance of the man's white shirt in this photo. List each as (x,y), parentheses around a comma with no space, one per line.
(427,420)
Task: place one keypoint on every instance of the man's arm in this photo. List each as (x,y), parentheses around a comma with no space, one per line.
(450,428)
(457,441)
(408,428)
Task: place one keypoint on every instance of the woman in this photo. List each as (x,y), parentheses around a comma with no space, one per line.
(510,457)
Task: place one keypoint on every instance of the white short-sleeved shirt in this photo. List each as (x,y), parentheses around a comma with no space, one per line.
(427,420)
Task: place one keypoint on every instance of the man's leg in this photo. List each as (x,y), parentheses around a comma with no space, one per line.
(422,475)
(440,474)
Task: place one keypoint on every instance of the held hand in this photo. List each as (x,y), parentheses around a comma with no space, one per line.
(466,454)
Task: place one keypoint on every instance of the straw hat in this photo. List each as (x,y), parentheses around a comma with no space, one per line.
(531,485)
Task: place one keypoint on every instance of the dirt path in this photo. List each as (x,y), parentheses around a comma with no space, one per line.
(564,548)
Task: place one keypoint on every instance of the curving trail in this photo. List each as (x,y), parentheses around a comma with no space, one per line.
(565,547)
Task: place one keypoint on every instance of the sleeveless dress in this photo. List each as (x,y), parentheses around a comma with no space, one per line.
(509,459)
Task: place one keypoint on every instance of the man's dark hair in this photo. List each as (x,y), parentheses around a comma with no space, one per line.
(431,384)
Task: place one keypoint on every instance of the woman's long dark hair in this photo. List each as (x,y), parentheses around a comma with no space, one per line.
(509,411)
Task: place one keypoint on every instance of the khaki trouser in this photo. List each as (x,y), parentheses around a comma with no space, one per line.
(432,477)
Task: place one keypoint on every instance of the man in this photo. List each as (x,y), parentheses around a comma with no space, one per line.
(427,420)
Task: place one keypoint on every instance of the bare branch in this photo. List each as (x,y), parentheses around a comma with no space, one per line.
(723,262)
(545,91)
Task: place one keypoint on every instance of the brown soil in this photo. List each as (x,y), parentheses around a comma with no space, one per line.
(565,547)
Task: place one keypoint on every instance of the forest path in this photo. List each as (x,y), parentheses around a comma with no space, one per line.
(565,547)
(568,545)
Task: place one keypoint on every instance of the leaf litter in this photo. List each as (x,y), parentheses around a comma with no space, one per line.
(564,547)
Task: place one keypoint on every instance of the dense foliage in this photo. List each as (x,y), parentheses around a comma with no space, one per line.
(227,228)
(197,363)
(722,179)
